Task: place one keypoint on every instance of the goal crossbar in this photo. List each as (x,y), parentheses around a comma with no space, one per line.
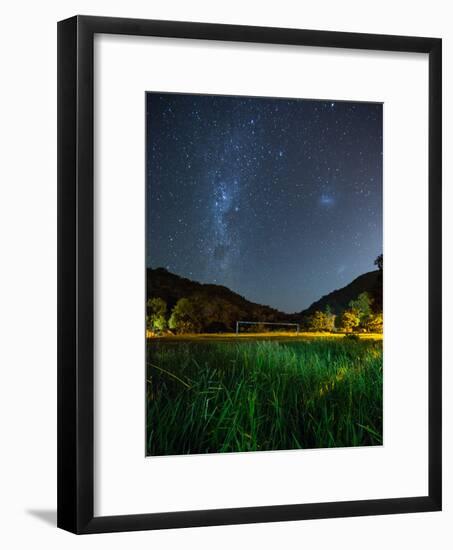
(238,323)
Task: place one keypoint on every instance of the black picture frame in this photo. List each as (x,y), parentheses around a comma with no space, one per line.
(76,260)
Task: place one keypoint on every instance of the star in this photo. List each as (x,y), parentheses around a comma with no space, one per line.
(247,191)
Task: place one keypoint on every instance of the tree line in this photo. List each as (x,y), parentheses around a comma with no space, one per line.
(194,314)
(357,317)
(199,314)
(363,314)
(202,313)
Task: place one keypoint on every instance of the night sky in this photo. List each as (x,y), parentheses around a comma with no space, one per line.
(278,199)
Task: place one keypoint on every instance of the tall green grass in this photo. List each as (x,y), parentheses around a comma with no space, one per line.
(260,396)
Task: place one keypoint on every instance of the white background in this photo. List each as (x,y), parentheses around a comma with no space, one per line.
(125,482)
(28,296)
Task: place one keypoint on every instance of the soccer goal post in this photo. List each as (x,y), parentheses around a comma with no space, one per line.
(239,323)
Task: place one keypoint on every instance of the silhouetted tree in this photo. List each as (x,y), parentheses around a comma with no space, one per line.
(216,314)
(361,305)
(349,320)
(378,287)
(185,317)
(321,322)
(374,323)
(156,315)
(379,262)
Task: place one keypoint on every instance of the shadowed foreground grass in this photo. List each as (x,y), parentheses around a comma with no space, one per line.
(208,397)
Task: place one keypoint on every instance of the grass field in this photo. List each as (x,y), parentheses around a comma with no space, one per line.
(231,394)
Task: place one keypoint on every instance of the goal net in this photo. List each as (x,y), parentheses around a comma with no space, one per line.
(261,326)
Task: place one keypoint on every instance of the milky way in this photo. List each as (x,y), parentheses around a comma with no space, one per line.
(278,199)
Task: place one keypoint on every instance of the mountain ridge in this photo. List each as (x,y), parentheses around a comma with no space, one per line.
(171,287)
(339,299)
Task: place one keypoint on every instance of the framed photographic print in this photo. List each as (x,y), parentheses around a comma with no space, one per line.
(232,347)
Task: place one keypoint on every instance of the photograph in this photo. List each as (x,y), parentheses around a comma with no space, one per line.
(264,273)
(227,194)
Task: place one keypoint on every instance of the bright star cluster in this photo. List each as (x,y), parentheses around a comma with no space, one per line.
(278,199)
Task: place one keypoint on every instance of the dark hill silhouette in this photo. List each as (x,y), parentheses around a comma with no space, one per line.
(338,300)
(171,287)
